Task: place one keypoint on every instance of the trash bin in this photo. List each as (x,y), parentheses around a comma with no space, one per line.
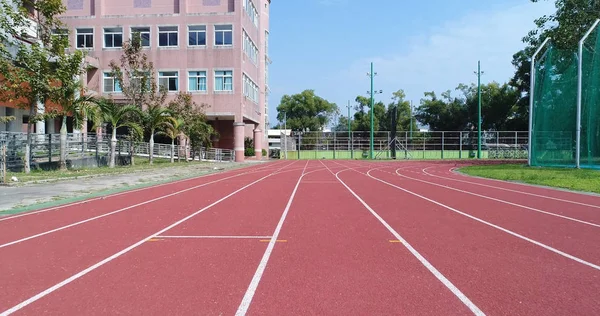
(365,154)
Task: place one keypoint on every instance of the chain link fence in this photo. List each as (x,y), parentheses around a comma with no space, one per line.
(407,145)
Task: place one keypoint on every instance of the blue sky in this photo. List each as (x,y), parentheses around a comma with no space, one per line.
(418,46)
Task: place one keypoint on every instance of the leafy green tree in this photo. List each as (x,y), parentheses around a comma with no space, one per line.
(27,68)
(195,127)
(305,110)
(445,114)
(173,128)
(566,26)
(362,115)
(403,119)
(117,116)
(155,117)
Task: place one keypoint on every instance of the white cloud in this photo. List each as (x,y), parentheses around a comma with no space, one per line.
(447,54)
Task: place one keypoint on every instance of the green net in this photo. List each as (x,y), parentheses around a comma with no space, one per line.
(590,102)
(555,109)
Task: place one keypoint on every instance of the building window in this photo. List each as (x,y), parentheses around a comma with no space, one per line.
(250,89)
(144,35)
(251,11)
(111,84)
(266,42)
(197,81)
(223,35)
(169,80)
(197,35)
(85,38)
(167,36)
(223,80)
(113,37)
(250,49)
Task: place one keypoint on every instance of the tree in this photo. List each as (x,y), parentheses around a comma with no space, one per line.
(173,128)
(67,93)
(403,119)
(26,57)
(566,27)
(305,110)
(362,116)
(155,117)
(195,127)
(116,115)
(446,114)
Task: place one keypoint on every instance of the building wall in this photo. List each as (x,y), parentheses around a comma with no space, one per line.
(224,105)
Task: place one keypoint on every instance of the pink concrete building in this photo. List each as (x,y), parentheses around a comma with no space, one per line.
(215,49)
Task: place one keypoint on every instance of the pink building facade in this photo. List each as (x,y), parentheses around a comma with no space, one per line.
(215,49)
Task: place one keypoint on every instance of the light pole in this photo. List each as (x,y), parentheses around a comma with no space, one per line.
(372,74)
(411,118)
(285,133)
(479,72)
(350,132)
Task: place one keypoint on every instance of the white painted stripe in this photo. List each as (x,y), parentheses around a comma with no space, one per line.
(215,237)
(501,201)
(117,211)
(537,243)
(249,170)
(120,253)
(515,191)
(458,293)
(247,299)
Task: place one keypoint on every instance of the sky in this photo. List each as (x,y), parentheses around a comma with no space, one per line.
(417,46)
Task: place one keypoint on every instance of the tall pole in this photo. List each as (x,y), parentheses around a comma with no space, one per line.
(285,133)
(579,95)
(411,118)
(479,110)
(372,112)
(349,131)
(531,102)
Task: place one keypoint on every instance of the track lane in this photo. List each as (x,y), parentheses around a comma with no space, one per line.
(184,275)
(31,267)
(338,260)
(500,273)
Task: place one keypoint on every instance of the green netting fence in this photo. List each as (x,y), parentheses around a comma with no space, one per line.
(555,95)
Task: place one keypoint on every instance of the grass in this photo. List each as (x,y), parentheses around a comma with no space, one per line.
(573,179)
(141,164)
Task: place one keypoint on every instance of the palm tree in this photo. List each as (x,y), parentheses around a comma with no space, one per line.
(117,116)
(73,103)
(173,129)
(154,118)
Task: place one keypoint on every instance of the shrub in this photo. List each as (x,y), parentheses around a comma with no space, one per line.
(264,153)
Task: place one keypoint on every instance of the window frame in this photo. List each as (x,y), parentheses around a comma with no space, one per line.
(195,76)
(115,83)
(93,34)
(223,76)
(223,37)
(159,32)
(104,33)
(132,31)
(159,77)
(197,31)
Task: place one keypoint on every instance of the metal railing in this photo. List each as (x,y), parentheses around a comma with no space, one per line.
(415,145)
(45,150)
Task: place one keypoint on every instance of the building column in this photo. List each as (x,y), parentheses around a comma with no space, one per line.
(40,126)
(238,140)
(258,140)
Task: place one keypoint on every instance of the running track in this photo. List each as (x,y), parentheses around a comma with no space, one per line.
(309,238)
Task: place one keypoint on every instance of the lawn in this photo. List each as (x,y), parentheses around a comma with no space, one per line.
(565,178)
(140,165)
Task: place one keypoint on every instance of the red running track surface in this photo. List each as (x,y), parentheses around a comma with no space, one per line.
(310,238)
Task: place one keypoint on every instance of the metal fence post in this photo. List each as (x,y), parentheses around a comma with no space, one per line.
(49,147)
(460,145)
(4,171)
(442,145)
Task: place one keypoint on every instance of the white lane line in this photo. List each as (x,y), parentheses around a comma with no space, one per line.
(214,237)
(117,211)
(120,253)
(251,170)
(458,293)
(247,299)
(515,191)
(501,201)
(537,243)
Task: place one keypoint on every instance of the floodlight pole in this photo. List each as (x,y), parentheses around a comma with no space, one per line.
(579,95)
(372,113)
(531,97)
(349,132)
(478,109)
(285,133)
